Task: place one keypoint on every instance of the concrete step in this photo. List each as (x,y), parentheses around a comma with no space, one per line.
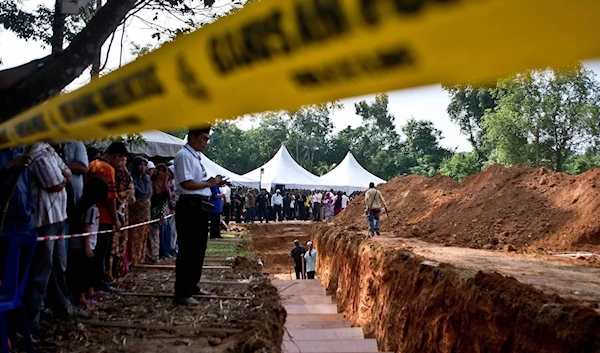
(337,346)
(305,299)
(315,317)
(316,325)
(303,283)
(310,309)
(298,290)
(352,333)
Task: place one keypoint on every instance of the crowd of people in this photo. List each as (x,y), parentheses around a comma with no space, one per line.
(249,206)
(68,189)
(174,207)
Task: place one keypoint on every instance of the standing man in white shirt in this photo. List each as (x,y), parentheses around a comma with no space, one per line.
(345,200)
(226,190)
(277,202)
(192,213)
(316,200)
(310,260)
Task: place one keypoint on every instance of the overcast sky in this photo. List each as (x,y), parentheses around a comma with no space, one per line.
(423,103)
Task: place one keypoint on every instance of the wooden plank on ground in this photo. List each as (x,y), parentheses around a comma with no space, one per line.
(129,325)
(167,295)
(172,267)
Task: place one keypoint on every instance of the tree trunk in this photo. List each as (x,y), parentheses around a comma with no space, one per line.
(58,28)
(537,146)
(66,67)
(95,72)
(559,159)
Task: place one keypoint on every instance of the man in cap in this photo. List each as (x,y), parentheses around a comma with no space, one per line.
(297,254)
(277,202)
(310,260)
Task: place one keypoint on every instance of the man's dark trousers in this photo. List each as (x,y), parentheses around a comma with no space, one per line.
(299,272)
(278,214)
(192,235)
(261,213)
(227,212)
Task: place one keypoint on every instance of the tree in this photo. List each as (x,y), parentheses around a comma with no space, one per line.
(423,145)
(86,40)
(227,147)
(543,116)
(579,163)
(467,107)
(310,127)
(461,165)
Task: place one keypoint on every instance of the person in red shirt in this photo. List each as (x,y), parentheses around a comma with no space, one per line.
(104,168)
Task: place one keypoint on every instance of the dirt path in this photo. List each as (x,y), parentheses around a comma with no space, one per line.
(553,275)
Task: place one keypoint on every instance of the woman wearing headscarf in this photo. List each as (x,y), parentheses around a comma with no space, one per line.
(119,263)
(158,206)
(337,204)
(328,203)
(139,212)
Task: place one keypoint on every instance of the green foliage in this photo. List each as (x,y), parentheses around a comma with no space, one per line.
(542,116)
(423,145)
(307,133)
(577,164)
(461,165)
(468,104)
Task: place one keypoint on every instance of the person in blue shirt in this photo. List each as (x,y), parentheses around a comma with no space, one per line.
(215,217)
(21,209)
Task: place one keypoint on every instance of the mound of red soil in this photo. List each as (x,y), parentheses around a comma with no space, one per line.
(519,206)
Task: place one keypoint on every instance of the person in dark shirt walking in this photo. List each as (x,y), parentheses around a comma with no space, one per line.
(262,204)
(297,254)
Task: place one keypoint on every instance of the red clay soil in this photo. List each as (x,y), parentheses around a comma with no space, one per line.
(531,209)
(272,244)
(411,305)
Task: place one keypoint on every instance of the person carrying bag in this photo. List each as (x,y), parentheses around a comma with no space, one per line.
(375,204)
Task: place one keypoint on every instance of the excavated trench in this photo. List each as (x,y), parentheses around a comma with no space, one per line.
(420,297)
(410,303)
(484,265)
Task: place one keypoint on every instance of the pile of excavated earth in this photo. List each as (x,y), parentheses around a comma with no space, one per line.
(519,207)
(504,261)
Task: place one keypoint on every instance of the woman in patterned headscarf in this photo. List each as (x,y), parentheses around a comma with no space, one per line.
(158,207)
(139,212)
(119,263)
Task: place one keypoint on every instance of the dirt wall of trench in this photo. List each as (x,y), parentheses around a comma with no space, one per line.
(412,306)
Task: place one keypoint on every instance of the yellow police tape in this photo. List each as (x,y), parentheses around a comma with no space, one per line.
(277,54)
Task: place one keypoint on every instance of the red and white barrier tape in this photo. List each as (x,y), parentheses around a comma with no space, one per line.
(59,237)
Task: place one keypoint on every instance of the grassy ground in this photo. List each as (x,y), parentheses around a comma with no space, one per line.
(228,247)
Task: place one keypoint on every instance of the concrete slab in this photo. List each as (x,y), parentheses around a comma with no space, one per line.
(315,317)
(298,283)
(294,290)
(352,333)
(305,299)
(337,346)
(316,325)
(310,308)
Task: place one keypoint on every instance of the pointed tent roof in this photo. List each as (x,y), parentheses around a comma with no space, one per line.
(283,169)
(158,144)
(213,169)
(350,176)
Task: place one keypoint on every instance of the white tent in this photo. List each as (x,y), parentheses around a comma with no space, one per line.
(350,176)
(282,169)
(157,144)
(213,169)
